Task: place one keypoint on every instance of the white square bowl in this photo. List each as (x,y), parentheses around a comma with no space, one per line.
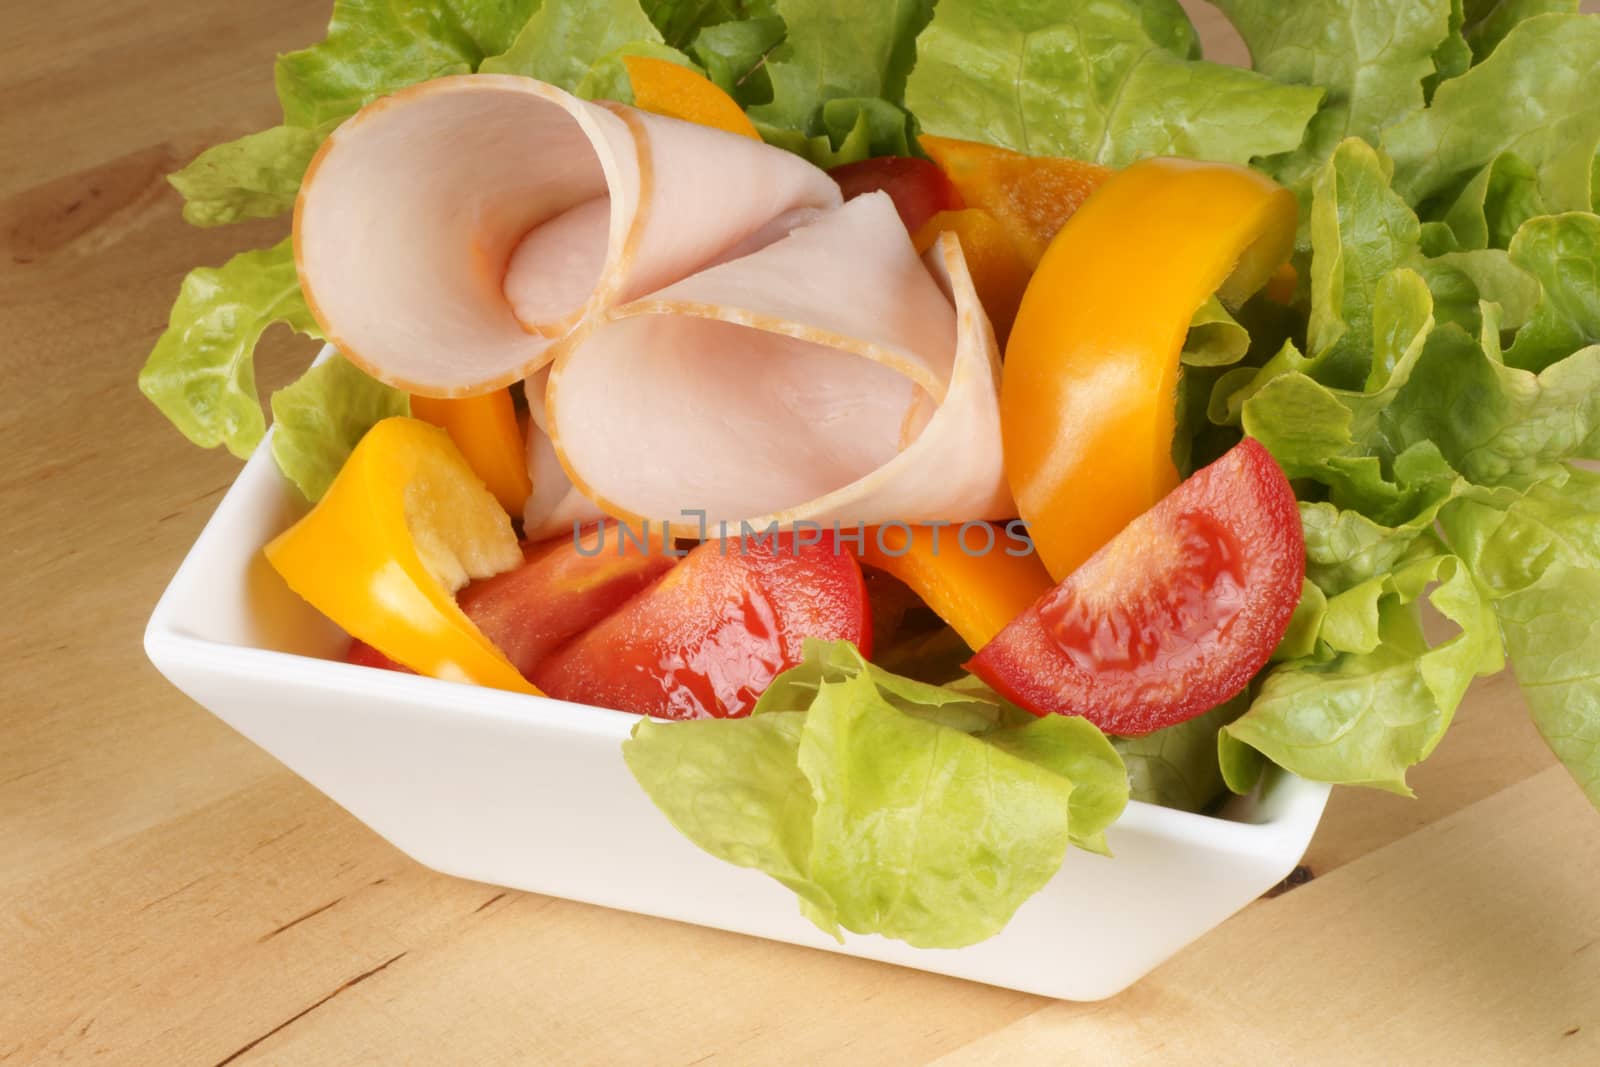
(532,793)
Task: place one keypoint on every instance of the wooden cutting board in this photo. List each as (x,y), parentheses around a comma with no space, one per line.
(170,895)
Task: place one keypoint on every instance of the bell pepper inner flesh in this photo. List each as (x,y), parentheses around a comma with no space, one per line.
(1089,389)
(1031,196)
(405,523)
(486,430)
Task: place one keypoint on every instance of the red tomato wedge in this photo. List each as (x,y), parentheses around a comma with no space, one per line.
(707,639)
(1173,616)
(565,586)
(918,187)
(364,655)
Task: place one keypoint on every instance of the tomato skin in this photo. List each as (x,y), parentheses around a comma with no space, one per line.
(707,639)
(560,592)
(564,586)
(1172,617)
(364,655)
(919,189)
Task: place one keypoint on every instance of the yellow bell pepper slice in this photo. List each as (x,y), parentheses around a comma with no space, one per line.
(667,88)
(1030,196)
(405,524)
(486,430)
(1089,388)
(978,595)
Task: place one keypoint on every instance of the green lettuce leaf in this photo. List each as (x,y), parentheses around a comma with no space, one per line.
(1241,766)
(1300,638)
(1345,548)
(754,811)
(734,55)
(839,49)
(1361,234)
(1391,407)
(852,130)
(794,690)
(1167,24)
(1370,311)
(730,39)
(1372,57)
(1461,282)
(492,25)
(201,373)
(1453,57)
(1178,767)
(1534,97)
(1217,343)
(681,20)
(923,833)
(938,656)
(1073,748)
(1552,632)
(1510,541)
(838,80)
(1383,701)
(1328,434)
(888,806)
(1090,81)
(374,47)
(1540,557)
(1216,338)
(565,39)
(320,418)
(1497,425)
(579,45)
(1495,204)
(1562,252)
(254,177)
(1487,22)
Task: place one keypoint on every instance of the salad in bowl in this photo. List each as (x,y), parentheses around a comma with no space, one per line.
(938,424)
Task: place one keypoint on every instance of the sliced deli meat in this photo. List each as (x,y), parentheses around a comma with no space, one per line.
(555,506)
(451,235)
(719,334)
(832,376)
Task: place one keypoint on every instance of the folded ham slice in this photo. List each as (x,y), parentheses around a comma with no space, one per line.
(700,324)
(829,377)
(555,506)
(451,235)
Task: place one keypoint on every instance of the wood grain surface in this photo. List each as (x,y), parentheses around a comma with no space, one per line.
(171,895)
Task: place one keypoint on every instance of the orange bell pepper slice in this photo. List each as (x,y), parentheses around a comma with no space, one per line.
(1089,389)
(978,595)
(486,430)
(667,88)
(1000,270)
(1283,284)
(1031,196)
(405,524)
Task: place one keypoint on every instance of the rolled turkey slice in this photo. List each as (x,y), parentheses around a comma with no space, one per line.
(451,235)
(554,507)
(831,376)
